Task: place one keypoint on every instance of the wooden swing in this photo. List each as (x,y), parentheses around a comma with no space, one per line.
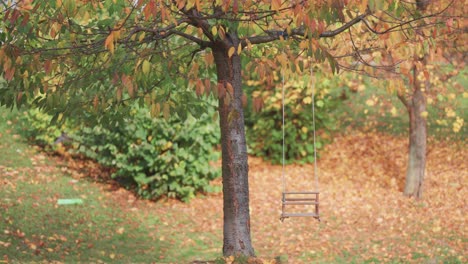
(308,201)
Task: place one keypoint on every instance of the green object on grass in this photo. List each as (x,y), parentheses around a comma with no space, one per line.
(69,201)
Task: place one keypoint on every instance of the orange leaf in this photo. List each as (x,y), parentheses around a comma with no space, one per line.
(221,90)
(207,86)
(9,73)
(95,102)
(109,43)
(199,88)
(257,104)
(229,88)
(244,100)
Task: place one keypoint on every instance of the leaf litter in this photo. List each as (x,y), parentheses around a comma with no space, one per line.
(364,216)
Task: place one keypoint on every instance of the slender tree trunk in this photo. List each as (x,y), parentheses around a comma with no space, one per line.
(237,239)
(417,138)
(418,125)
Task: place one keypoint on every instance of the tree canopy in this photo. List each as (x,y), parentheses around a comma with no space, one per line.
(74,56)
(68,55)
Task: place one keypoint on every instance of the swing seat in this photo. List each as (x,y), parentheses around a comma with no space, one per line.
(300,198)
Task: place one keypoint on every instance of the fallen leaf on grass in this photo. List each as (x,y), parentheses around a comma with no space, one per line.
(5,244)
(121,230)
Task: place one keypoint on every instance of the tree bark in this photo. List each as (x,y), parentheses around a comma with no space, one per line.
(236,231)
(417,138)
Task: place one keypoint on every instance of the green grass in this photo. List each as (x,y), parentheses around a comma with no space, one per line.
(33,228)
(14,153)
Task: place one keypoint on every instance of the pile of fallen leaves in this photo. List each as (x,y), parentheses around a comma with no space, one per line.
(364,215)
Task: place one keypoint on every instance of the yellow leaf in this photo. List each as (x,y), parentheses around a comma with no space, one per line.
(214,31)
(112,256)
(142,36)
(249,44)
(239,49)
(85,18)
(231,51)
(166,111)
(155,110)
(146,66)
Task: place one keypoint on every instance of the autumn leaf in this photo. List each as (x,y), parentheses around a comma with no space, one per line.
(221,90)
(214,31)
(231,51)
(146,67)
(109,43)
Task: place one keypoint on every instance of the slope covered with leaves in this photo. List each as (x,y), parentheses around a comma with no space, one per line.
(365,218)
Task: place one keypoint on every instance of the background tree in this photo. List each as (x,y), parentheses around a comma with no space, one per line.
(70,57)
(409,68)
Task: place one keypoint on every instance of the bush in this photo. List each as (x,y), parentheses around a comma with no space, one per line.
(159,157)
(37,127)
(264,130)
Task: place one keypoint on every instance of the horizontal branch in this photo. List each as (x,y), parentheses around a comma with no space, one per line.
(301,31)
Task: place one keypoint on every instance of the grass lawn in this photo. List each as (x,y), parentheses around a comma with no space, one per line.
(111,226)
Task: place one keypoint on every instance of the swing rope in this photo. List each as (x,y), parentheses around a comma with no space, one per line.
(313,128)
(283,158)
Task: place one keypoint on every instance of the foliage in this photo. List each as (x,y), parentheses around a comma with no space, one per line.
(371,109)
(37,127)
(73,56)
(264,134)
(160,157)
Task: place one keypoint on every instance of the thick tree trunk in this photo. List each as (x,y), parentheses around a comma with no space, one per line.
(237,239)
(416,106)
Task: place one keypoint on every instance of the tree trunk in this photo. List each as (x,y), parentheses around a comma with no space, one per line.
(417,138)
(236,231)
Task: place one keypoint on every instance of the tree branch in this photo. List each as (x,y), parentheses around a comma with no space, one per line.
(403,100)
(275,35)
(391,29)
(200,42)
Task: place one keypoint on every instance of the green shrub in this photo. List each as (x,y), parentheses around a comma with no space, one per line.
(37,127)
(156,156)
(264,129)
(160,157)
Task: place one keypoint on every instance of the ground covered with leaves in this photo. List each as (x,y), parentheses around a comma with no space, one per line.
(364,216)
